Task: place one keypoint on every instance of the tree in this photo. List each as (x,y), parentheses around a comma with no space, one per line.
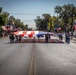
(26,26)
(3,17)
(46,18)
(42,23)
(38,22)
(11,20)
(51,23)
(0,9)
(65,12)
(19,24)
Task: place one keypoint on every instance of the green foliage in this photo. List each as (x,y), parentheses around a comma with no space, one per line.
(66,11)
(67,14)
(0,9)
(3,17)
(2,20)
(9,21)
(42,23)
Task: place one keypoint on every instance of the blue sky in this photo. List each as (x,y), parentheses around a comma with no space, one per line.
(28,10)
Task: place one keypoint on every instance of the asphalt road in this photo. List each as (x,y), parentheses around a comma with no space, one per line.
(37,58)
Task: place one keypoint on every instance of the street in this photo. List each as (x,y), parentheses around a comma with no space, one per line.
(37,58)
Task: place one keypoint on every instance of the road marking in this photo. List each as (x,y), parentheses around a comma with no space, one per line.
(32,69)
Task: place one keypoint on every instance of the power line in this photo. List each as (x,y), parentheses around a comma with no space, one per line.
(24,14)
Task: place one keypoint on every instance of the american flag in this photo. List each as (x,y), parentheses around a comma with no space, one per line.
(59,28)
(5,28)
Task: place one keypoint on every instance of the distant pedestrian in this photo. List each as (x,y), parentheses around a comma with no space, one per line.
(12,37)
(46,37)
(1,35)
(16,37)
(60,36)
(49,36)
(20,38)
(67,37)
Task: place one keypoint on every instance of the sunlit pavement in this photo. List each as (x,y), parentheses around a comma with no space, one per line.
(56,59)
(32,58)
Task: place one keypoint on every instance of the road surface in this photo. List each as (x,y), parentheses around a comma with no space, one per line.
(37,58)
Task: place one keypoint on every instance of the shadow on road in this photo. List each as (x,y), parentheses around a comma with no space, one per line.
(37,41)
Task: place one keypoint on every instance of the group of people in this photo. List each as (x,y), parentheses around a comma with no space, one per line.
(67,37)
(15,38)
(3,34)
(18,38)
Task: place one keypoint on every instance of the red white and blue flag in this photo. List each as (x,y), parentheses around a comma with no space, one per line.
(31,34)
(5,28)
(59,28)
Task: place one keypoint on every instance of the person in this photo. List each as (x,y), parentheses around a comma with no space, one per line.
(1,35)
(61,36)
(67,36)
(46,37)
(49,36)
(16,36)
(20,38)
(38,37)
(12,38)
